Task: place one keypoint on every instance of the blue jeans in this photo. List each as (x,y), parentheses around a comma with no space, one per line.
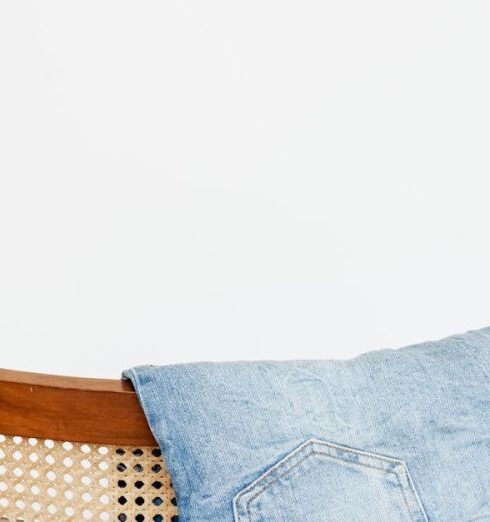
(394,436)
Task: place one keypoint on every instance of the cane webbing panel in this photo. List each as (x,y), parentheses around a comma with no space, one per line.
(45,480)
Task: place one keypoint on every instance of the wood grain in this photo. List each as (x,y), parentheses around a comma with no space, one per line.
(100,411)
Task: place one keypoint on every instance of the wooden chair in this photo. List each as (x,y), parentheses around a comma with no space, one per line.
(78,449)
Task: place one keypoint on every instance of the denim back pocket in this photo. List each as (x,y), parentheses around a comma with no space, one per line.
(323,482)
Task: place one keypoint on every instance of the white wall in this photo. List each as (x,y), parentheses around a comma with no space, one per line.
(231,180)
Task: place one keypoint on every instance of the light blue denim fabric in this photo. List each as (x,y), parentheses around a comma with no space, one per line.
(395,436)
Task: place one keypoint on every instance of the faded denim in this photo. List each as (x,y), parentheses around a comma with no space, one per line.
(394,435)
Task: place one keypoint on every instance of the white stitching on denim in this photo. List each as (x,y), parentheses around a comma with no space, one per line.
(251,499)
(412,510)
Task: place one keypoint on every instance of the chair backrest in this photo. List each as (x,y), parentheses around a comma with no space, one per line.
(78,449)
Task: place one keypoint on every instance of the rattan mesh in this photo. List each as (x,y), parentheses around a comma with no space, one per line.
(45,480)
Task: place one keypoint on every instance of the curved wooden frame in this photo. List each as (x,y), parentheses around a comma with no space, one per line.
(100,411)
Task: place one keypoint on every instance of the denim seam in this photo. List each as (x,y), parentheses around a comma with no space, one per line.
(405,501)
(149,410)
(186,472)
(408,506)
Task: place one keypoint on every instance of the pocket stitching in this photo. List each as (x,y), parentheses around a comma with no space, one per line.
(311,443)
(288,471)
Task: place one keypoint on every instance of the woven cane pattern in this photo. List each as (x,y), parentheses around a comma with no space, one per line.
(45,480)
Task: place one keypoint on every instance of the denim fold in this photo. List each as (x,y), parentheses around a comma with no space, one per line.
(395,435)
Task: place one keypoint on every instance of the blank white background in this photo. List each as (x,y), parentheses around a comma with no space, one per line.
(190,180)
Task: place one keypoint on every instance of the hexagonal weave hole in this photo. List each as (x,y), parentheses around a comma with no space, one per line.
(45,480)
